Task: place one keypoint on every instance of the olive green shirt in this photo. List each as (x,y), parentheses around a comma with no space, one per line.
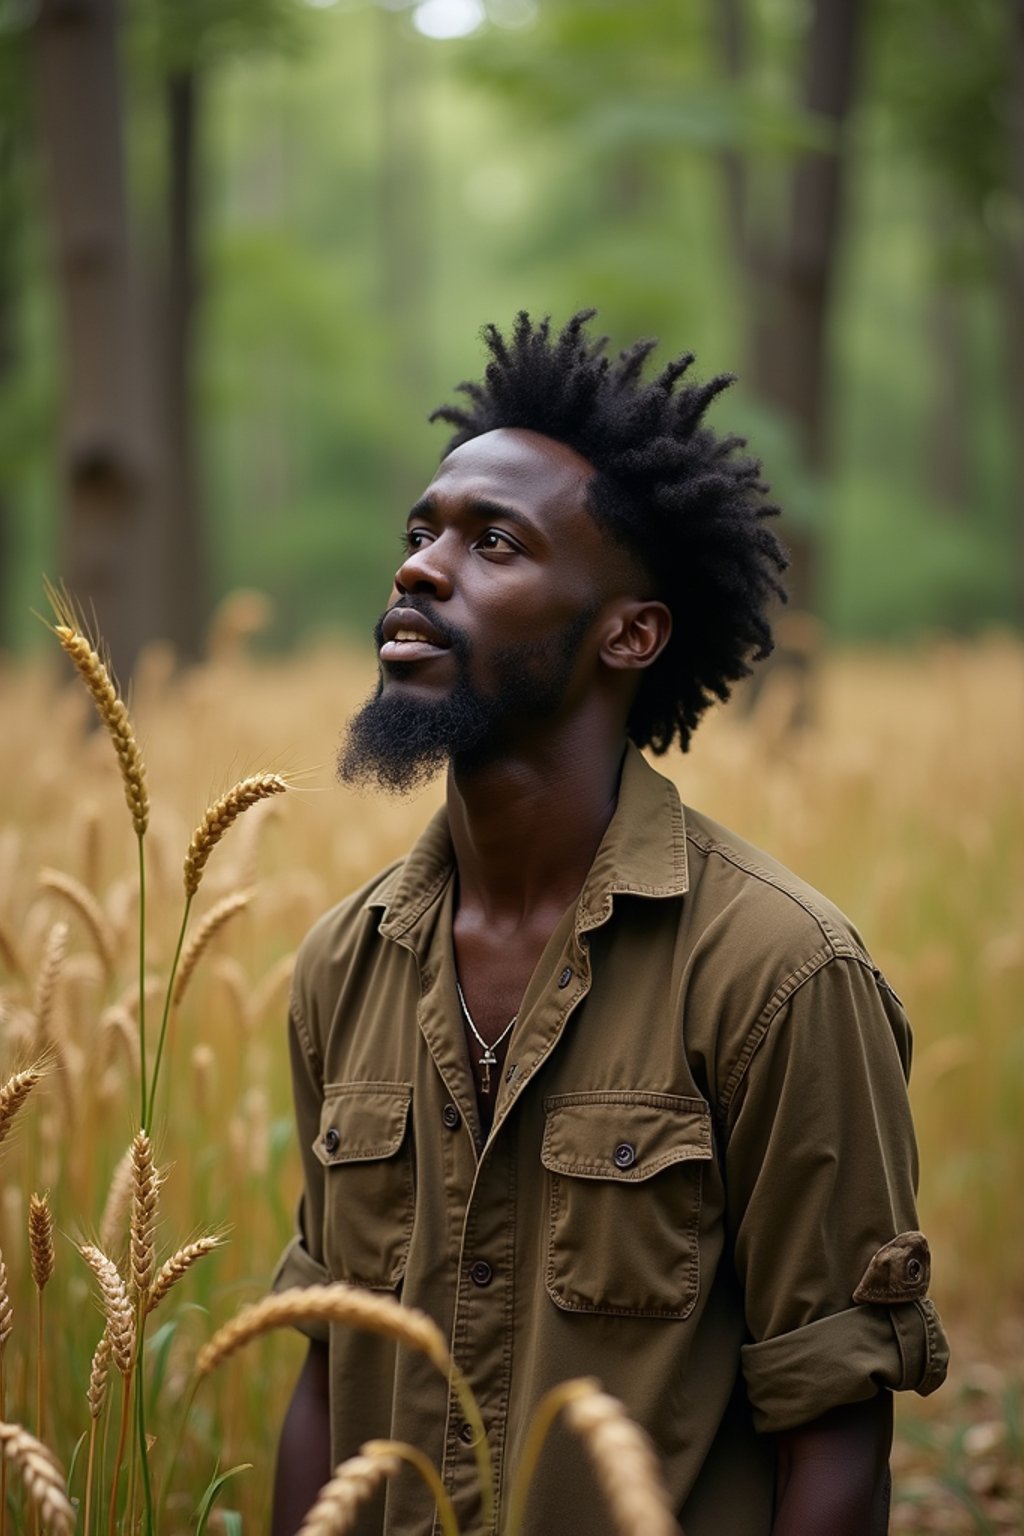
(701,1149)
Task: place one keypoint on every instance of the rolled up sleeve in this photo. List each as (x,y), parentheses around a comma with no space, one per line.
(821,1173)
(302,1262)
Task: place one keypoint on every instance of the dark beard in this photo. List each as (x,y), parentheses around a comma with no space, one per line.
(398,743)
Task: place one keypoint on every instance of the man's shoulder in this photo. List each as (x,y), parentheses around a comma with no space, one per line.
(771,903)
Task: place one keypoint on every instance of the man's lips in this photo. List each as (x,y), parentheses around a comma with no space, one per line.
(409,636)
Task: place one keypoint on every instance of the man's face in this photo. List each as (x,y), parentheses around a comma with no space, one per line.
(485,637)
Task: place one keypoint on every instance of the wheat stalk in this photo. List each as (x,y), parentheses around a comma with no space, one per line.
(117,1308)
(42,1476)
(339,1303)
(117,1202)
(89,910)
(339,1502)
(13,1095)
(218,818)
(328,1303)
(145,1188)
(109,705)
(46,983)
(211,924)
(40,1240)
(178,1265)
(624,1461)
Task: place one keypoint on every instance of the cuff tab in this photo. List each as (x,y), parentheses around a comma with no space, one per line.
(900,1271)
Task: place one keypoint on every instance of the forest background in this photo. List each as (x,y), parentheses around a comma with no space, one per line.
(245,247)
(248,244)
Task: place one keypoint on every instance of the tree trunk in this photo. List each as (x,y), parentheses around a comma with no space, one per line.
(1012,277)
(106,458)
(404,270)
(948,459)
(790,280)
(183,566)
(7,359)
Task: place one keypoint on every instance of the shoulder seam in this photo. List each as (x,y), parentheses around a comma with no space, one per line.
(305,1039)
(838,941)
(782,994)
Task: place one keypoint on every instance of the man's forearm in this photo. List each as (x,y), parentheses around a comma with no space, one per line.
(304,1450)
(833,1474)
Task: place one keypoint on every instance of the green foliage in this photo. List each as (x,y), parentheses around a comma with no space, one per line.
(370,197)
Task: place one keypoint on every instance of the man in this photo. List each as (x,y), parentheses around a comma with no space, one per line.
(597,1085)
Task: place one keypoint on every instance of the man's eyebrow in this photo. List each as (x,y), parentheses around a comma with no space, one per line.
(481,507)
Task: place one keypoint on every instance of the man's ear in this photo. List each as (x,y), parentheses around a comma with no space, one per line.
(637,634)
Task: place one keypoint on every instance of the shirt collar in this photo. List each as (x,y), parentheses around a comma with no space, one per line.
(643,853)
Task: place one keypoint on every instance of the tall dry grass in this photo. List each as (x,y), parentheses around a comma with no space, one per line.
(904,804)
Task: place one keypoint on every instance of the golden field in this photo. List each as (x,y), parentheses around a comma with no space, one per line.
(903,801)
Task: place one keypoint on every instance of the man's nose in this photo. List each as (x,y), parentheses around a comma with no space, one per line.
(425,570)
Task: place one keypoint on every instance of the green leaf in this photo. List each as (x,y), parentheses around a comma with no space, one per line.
(207,1500)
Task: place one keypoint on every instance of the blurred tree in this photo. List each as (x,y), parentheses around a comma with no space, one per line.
(109,449)
(789,262)
(135,551)
(953,76)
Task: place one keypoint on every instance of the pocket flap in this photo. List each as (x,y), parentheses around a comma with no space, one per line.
(622,1135)
(361,1122)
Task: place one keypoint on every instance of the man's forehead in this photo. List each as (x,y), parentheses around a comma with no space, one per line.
(517,463)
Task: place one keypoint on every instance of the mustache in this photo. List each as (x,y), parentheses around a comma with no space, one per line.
(448,633)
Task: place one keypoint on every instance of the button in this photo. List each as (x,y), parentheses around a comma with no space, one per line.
(624,1155)
(915,1270)
(451,1117)
(566,977)
(466,1433)
(481,1272)
(332,1140)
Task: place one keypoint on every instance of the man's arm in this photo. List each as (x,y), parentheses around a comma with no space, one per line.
(304,1450)
(833,1474)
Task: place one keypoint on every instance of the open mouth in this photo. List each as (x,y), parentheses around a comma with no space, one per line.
(409,636)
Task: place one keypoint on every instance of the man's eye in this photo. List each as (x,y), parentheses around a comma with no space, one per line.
(413,539)
(494,539)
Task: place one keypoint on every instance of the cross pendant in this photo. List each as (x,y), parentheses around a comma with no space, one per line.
(487,1061)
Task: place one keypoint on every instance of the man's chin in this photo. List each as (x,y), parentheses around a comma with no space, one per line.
(401,739)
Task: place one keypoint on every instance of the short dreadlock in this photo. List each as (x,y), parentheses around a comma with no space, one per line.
(684,501)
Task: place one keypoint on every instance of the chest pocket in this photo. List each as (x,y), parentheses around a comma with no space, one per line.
(624,1179)
(369,1200)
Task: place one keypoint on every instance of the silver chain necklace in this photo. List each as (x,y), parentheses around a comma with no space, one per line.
(488,1059)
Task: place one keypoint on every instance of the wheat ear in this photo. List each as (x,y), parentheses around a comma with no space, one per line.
(10,953)
(118,1200)
(117,1309)
(220,815)
(42,1476)
(13,1095)
(328,1303)
(109,705)
(89,910)
(178,1265)
(46,982)
(40,1240)
(6,1311)
(99,1373)
(624,1461)
(145,1189)
(355,1481)
(211,924)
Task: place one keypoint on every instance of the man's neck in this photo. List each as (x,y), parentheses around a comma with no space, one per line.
(525,828)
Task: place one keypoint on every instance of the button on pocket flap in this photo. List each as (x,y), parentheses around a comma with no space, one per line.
(361,1122)
(623,1136)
